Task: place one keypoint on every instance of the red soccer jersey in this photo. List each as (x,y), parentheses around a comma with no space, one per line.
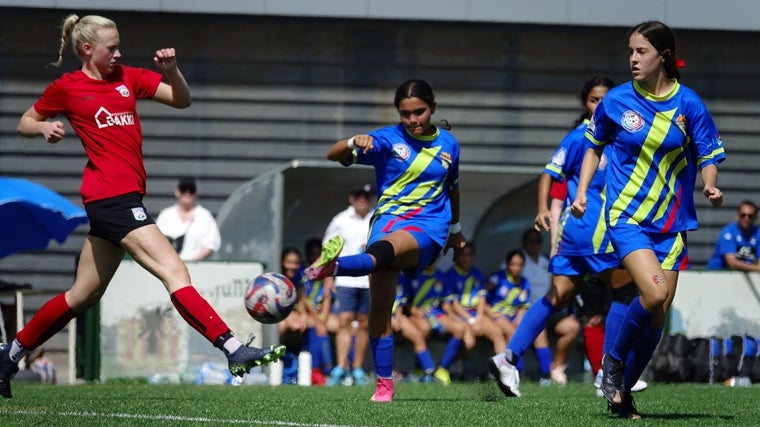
(103,114)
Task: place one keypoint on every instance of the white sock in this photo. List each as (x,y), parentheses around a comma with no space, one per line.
(231,345)
(17,351)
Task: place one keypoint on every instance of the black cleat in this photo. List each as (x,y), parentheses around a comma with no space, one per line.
(627,409)
(8,370)
(612,379)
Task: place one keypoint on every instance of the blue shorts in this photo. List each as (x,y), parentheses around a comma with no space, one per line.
(669,248)
(580,265)
(352,300)
(428,248)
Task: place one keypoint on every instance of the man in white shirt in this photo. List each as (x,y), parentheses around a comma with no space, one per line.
(189,226)
(352,293)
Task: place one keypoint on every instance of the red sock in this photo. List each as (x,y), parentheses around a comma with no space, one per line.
(198,313)
(48,320)
(593,340)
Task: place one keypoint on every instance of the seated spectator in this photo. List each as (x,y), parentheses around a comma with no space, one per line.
(465,296)
(509,293)
(738,243)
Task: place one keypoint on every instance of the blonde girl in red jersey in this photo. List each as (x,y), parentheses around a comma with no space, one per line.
(99,100)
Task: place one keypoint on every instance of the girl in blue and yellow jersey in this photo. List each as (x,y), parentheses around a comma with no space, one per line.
(465,291)
(661,134)
(582,248)
(406,321)
(509,299)
(509,293)
(417,175)
(424,295)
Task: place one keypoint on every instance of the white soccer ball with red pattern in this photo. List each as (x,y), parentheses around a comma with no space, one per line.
(270,297)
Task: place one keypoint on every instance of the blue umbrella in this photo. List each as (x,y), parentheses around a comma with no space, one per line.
(31,215)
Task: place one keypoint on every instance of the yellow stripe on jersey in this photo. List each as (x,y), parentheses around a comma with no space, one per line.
(673,254)
(600,231)
(660,125)
(671,183)
(423,291)
(413,199)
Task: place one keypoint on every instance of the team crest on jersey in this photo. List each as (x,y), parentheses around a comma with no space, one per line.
(139,214)
(558,159)
(445,160)
(401,151)
(681,123)
(632,121)
(123,90)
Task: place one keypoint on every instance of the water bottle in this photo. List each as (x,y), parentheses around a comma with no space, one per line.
(275,373)
(304,368)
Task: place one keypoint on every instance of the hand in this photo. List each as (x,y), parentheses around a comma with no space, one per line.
(714,195)
(578,207)
(456,242)
(543,220)
(52,131)
(364,143)
(165,59)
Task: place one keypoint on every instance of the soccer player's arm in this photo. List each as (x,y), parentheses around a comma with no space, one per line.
(590,164)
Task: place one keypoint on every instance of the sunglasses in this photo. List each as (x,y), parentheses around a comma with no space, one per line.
(746,215)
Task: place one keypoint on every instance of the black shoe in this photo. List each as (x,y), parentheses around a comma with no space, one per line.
(612,379)
(8,370)
(627,409)
(245,358)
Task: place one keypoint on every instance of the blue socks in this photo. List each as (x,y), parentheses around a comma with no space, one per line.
(355,265)
(544,356)
(640,355)
(634,323)
(612,324)
(450,352)
(426,361)
(382,351)
(532,324)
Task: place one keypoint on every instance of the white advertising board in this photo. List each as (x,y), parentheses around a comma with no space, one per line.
(143,335)
(716,304)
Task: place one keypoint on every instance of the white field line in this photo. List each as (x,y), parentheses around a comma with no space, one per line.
(215,421)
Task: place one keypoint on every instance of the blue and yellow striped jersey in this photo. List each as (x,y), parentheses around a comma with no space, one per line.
(586,235)
(315,291)
(659,143)
(424,291)
(508,294)
(467,287)
(413,176)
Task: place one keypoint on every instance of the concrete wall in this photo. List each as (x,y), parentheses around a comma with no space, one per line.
(705,14)
(268,89)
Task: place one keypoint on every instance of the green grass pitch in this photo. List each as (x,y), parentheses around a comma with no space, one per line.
(459,404)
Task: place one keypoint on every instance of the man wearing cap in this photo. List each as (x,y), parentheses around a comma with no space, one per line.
(189,226)
(352,293)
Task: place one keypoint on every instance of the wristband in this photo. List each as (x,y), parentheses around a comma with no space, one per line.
(471,320)
(455,228)
(351,143)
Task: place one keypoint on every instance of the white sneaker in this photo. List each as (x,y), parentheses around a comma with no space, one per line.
(639,386)
(558,375)
(506,375)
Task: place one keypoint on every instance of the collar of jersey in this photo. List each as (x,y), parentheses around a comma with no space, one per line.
(637,87)
(425,137)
